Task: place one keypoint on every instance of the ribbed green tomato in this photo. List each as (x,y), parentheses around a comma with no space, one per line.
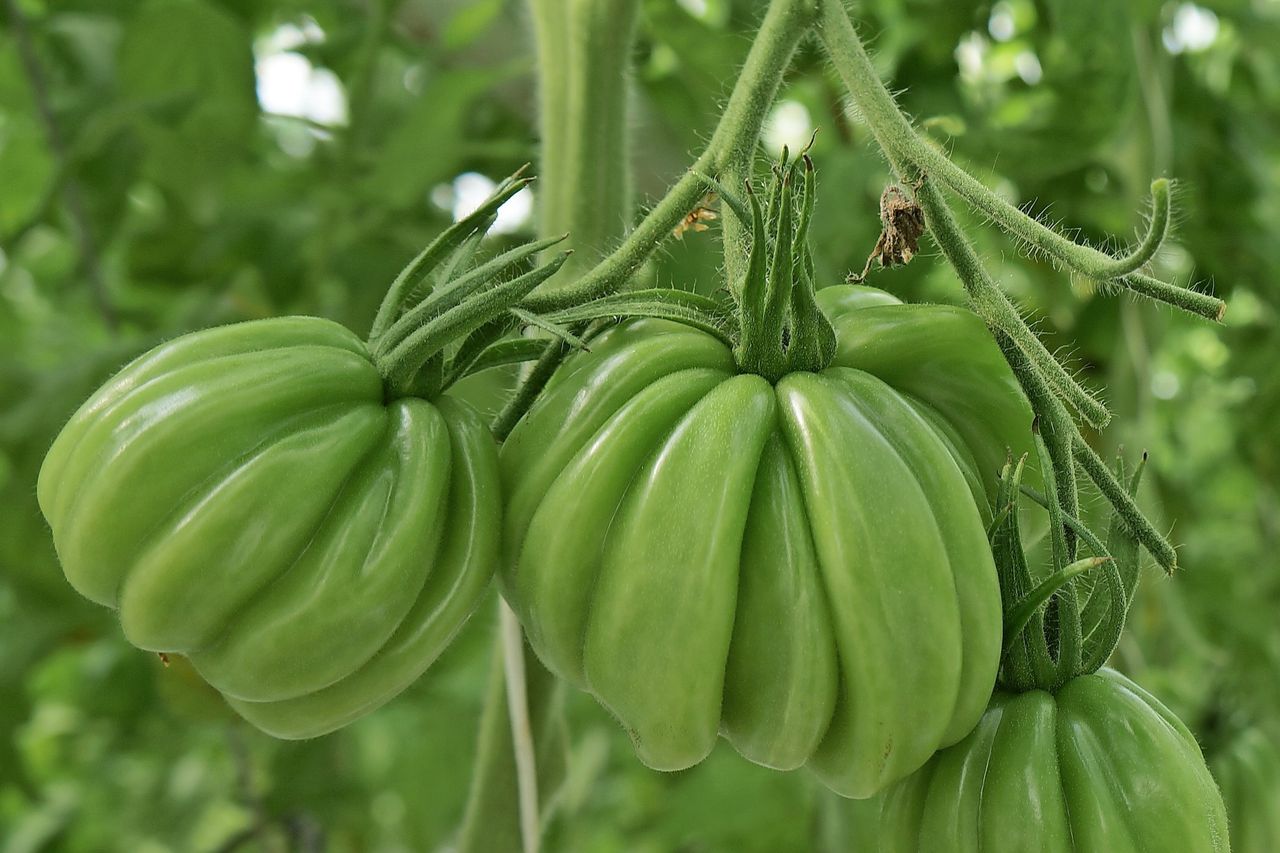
(1100,766)
(246,498)
(1248,771)
(802,568)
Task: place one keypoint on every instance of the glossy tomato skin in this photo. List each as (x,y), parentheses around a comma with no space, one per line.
(1248,771)
(802,568)
(1100,766)
(246,498)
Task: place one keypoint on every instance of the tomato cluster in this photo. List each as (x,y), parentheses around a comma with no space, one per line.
(800,535)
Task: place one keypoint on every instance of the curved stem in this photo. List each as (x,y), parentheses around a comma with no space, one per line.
(734,140)
(896,136)
(994,307)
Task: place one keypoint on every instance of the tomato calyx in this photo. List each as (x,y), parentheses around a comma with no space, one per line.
(781,329)
(1064,623)
(443,313)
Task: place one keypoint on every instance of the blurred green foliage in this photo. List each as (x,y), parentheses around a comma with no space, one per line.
(167,165)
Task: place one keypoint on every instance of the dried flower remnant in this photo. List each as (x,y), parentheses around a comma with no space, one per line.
(902,224)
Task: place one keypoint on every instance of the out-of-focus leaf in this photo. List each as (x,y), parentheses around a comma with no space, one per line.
(469,22)
(430,144)
(26,170)
(193,52)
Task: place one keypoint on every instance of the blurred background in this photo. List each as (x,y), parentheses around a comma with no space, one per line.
(167,165)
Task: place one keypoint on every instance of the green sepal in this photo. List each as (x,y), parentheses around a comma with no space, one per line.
(508,351)
(813,338)
(450,295)
(692,309)
(412,276)
(1017,618)
(552,328)
(751,293)
(770,360)
(399,365)
(1015,578)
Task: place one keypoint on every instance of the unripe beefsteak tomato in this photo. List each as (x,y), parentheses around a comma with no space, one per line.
(246,498)
(1099,766)
(802,568)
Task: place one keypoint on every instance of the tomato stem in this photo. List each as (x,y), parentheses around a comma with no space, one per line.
(734,141)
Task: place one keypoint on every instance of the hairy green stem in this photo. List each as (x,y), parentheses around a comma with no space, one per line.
(1191,301)
(990,303)
(905,148)
(584,51)
(733,142)
(530,387)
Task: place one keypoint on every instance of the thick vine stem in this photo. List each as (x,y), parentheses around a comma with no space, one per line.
(911,153)
(733,142)
(583,57)
(990,302)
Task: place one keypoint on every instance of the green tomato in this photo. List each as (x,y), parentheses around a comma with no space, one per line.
(1100,766)
(1249,772)
(246,498)
(802,568)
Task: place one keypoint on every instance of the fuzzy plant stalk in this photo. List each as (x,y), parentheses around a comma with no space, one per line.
(785,24)
(584,51)
(1059,400)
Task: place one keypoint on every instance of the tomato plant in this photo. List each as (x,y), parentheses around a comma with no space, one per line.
(724,496)
(1070,755)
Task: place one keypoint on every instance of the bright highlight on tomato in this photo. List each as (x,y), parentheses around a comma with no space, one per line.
(247,498)
(802,567)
